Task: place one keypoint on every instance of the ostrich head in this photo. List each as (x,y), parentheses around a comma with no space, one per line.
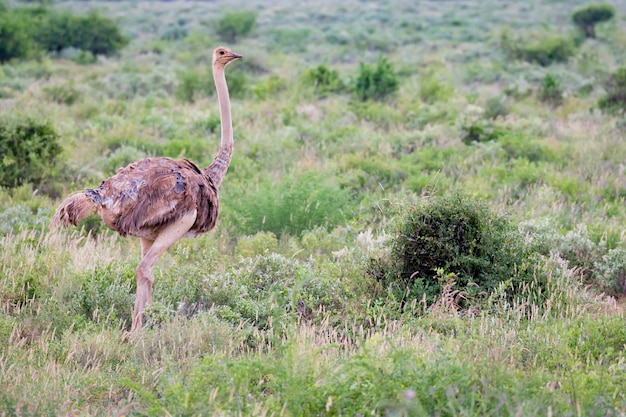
(223,55)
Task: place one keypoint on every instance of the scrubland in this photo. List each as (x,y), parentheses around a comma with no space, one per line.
(302,301)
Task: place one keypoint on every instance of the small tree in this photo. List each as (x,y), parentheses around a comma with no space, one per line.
(589,16)
(235,24)
(375,83)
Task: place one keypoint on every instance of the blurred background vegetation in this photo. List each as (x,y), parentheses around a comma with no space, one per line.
(424,214)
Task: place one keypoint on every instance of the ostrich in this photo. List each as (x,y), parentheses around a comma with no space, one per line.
(159,200)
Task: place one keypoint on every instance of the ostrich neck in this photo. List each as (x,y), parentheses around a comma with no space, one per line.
(217,170)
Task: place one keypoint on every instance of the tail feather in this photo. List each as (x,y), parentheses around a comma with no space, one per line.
(73,209)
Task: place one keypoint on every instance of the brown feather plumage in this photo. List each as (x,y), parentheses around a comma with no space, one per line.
(75,208)
(146,195)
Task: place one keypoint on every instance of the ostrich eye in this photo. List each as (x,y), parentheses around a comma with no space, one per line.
(221,52)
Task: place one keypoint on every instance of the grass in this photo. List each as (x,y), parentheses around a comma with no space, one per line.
(275,312)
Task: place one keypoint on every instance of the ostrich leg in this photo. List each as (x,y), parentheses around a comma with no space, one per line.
(151,252)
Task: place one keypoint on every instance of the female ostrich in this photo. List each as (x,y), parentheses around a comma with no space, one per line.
(159,200)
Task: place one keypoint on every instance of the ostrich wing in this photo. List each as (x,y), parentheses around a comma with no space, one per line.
(149,194)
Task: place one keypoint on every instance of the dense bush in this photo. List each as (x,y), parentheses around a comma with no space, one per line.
(23,30)
(15,41)
(234,25)
(29,149)
(543,49)
(375,83)
(550,90)
(452,238)
(615,86)
(589,16)
(324,80)
(93,33)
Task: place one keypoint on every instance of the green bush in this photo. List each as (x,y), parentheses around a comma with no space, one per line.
(15,40)
(496,107)
(24,29)
(457,238)
(194,84)
(589,16)
(431,89)
(292,205)
(375,83)
(62,94)
(543,48)
(99,35)
(520,145)
(267,88)
(106,294)
(324,80)
(234,25)
(28,150)
(550,90)
(615,87)
(480,131)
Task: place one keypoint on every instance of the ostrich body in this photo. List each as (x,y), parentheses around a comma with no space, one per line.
(159,200)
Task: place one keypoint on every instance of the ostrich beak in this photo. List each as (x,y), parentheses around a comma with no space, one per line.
(235,56)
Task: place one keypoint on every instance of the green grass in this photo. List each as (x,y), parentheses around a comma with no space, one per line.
(277,312)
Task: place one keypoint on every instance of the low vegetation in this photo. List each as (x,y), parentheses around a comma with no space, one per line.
(615,86)
(539,48)
(423,216)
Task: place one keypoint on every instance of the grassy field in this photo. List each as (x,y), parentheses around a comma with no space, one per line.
(280,311)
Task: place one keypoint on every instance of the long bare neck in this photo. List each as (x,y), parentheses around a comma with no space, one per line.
(217,170)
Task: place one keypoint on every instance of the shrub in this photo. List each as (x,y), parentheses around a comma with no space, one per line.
(290,206)
(56,31)
(496,107)
(62,94)
(258,244)
(324,80)
(265,89)
(235,24)
(237,84)
(24,29)
(375,83)
(543,49)
(98,35)
(105,294)
(520,145)
(29,149)
(550,90)
(611,271)
(431,89)
(615,87)
(589,16)
(15,41)
(457,238)
(480,131)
